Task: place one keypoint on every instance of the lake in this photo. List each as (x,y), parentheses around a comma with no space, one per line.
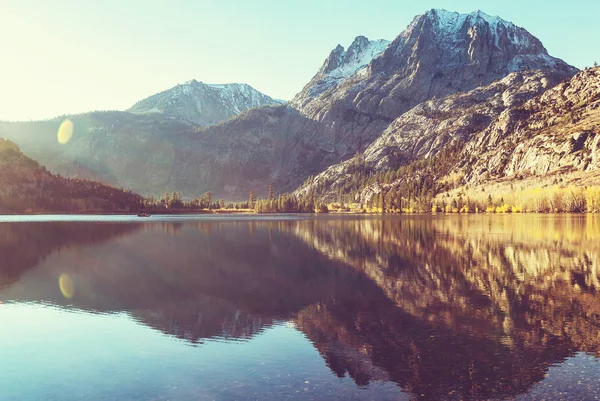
(300,307)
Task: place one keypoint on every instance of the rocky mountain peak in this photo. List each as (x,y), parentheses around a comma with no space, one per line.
(203,104)
(341,64)
(359,44)
(333,61)
(480,43)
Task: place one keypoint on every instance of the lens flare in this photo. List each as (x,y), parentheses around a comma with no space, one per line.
(65,131)
(67,287)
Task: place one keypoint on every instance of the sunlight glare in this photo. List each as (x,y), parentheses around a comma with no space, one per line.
(67,287)
(65,131)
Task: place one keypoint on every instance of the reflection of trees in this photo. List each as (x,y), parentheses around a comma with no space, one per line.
(451,308)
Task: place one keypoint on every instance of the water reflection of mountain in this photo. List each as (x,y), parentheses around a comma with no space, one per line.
(449,308)
(481,307)
(193,281)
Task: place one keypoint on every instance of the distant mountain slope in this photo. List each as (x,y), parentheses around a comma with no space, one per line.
(114,147)
(203,104)
(25,186)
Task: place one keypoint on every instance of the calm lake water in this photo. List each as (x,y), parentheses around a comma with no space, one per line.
(300,308)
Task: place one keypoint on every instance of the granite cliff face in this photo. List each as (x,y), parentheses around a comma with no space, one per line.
(557,131)
(431,126)
(382,98)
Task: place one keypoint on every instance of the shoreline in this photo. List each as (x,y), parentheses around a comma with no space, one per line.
(331,213)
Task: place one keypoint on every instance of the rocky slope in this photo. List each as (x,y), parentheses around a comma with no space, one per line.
(356,96)
(428,128)
(557,131)
(203,104)
(523,126)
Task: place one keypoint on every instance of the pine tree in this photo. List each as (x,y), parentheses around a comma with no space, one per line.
(271,193)
(252,199)
(165,198)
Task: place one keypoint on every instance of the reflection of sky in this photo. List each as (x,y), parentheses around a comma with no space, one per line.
(55,354)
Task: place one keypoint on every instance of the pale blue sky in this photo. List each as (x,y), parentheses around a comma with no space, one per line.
(70,56)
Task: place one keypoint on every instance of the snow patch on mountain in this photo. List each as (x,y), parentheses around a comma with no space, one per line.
(450,23)
(358,56)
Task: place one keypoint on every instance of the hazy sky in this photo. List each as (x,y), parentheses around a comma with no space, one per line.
(70,56)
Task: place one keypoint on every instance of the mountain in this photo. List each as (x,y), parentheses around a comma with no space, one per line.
(355,98)
(25,186)
(440,53)
(203,104)
(555,132)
